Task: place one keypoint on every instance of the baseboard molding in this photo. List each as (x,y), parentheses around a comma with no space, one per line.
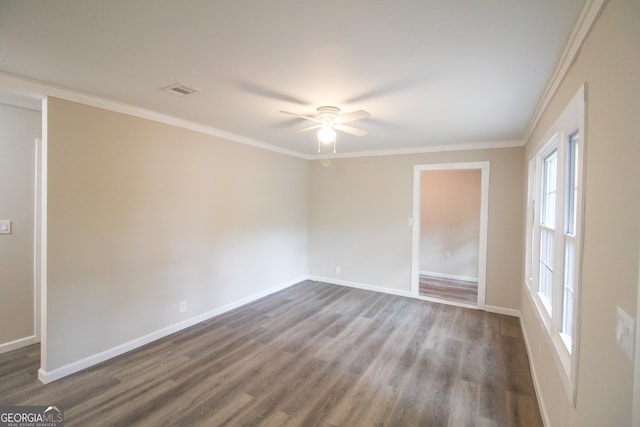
(449,276)
(73,367)
(534,377)
(366,287)
(502,310)
(363,286)
(16,344)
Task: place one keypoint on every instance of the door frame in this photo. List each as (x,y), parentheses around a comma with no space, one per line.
(484,167)
(636,370)
(37,239)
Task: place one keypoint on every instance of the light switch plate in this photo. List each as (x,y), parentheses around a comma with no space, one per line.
(625,333)
(5,226)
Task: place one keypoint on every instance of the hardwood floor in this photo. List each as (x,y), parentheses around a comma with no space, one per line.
(312,355)
(448,289)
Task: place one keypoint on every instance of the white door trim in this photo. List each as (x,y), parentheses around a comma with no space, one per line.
(37,242)
(41,245)
(636,364)
(484,168)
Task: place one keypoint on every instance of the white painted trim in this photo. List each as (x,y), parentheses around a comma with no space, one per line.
(16,344)
(44,151)
(37,250)
(419,150)
(363,286)
(485,169)
(484,231)
(636,364)
(34,88)
(49,376)
(588,17)
(26,102)
(415,232)
(502,310)
(449,276)
(534,376)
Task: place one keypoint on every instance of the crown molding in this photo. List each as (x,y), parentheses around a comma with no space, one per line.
(21,101)
(587,18)
(40,90)
(420,150)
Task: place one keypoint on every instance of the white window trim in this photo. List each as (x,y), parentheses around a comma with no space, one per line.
(566,360)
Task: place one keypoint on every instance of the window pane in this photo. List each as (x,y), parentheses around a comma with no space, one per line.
(546,264)
(531,230)
(548,219)
(568,287)
(571,184)
(548,212)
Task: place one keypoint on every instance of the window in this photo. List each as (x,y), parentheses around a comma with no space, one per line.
(553,244)
(571,201)
(547,228)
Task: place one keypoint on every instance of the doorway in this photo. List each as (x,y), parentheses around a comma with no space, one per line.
(449,239)
(20,131)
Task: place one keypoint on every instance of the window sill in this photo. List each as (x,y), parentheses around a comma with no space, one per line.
(557,345)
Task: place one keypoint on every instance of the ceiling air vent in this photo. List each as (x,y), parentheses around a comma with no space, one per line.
(179,89)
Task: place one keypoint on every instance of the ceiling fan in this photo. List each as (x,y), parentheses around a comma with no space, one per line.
(329,120)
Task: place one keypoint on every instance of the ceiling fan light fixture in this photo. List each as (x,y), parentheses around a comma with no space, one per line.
(328,121)
(326,134)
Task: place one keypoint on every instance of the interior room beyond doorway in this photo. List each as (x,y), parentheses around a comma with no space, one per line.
(450,235)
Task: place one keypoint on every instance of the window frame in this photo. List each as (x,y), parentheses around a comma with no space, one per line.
(559,138)
(545,226)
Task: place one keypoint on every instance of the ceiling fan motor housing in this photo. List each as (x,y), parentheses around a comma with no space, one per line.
(328,115)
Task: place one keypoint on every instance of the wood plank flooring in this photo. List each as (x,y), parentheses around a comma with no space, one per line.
(448,289)
(311,355)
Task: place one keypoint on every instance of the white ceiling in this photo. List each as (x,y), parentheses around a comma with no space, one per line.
(430,72)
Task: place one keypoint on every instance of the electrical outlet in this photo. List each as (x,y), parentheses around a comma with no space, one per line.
(447,253)
(183,306)
(338,271)
(5,226)
(625,333)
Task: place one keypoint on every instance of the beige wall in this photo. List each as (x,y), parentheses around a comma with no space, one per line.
(609,63)
(143,215)
(18,129)
(450,222)
(359,209)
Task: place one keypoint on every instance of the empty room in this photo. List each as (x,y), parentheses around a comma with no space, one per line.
(343,213)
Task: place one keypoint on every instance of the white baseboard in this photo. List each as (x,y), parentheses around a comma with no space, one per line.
(449,276)
(16,344)
(502,310)
(534,377)
(73,367)
(363,286)
(334,281)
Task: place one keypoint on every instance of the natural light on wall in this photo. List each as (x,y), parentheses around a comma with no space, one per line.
(554,234)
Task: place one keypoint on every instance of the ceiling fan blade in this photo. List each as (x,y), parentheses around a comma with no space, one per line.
(350,130)
(354,115)
(310,128)
(300,116)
